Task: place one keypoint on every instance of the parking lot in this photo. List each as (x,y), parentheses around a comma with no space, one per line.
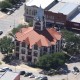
(22,67)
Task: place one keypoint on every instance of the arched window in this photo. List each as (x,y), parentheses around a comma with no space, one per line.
(17,43)
(23,51)
(35,54)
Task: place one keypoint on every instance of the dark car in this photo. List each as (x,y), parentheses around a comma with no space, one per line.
(22,72)
(76,69)
(5,69)
(44,78)
(1,32)
(43,72)
(28,74)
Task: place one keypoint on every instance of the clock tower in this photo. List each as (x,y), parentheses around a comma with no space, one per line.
(39,22)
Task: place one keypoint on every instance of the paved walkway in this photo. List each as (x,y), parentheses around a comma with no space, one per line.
(2,15)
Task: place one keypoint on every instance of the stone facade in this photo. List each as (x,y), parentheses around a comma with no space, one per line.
(32,55)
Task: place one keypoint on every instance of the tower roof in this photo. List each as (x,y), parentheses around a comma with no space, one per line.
(40,14)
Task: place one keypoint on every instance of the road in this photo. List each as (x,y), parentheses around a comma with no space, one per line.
(12,20)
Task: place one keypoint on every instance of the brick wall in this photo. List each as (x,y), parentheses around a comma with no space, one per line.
(70,24)
(58,17)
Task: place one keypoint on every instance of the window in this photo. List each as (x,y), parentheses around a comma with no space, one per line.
(76,24)
(27,11)
(45,49)
(17,43)
(52,47)
(23,58)
(17,48)
(32,12)
(23,51)
(28,46)
(35,12)
(35,47)
(35,54)
(23,44)
(29,52)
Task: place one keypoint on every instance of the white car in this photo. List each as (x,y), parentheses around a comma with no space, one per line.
(32,76)
(6,69)
(2,70)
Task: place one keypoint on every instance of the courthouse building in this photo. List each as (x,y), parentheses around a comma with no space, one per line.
(36,41)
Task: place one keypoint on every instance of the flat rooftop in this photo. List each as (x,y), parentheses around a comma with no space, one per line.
(57,7)
(68,8)
(64,7)
(43,3)
(76,18)
(72,1)
(9,76)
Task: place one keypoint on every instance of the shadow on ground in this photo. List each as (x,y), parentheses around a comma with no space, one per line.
(11,60)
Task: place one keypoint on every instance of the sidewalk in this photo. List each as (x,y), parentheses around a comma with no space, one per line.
(2,15)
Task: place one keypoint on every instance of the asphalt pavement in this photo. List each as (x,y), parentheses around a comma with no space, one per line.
(8,22)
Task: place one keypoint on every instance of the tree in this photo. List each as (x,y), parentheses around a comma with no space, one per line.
(72,42)
(5,4)
(15,30)
(52,61)
(13,1)
(30,23)
(6,45)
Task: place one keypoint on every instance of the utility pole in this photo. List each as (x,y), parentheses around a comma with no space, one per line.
(14,22)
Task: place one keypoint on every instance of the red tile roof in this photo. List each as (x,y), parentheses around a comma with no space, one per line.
(47,37)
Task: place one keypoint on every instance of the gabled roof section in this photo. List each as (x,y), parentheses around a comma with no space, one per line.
(47,37)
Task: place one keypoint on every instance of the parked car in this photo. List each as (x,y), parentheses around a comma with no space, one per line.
(38,78)
(44,78)
(9,12)
(1,70)
(32,76)
(27,74)
(1,32)
(76,69)
(13,9)
(6,69)
(22,72)
(43,72)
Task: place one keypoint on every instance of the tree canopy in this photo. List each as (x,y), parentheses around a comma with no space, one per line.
(5,4)
(13,1)
(6,44)
(72,41)
(54,61)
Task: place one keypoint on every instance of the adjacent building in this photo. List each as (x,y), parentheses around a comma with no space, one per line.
(10,76)
(60,14)
(36,41)
(32,6)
